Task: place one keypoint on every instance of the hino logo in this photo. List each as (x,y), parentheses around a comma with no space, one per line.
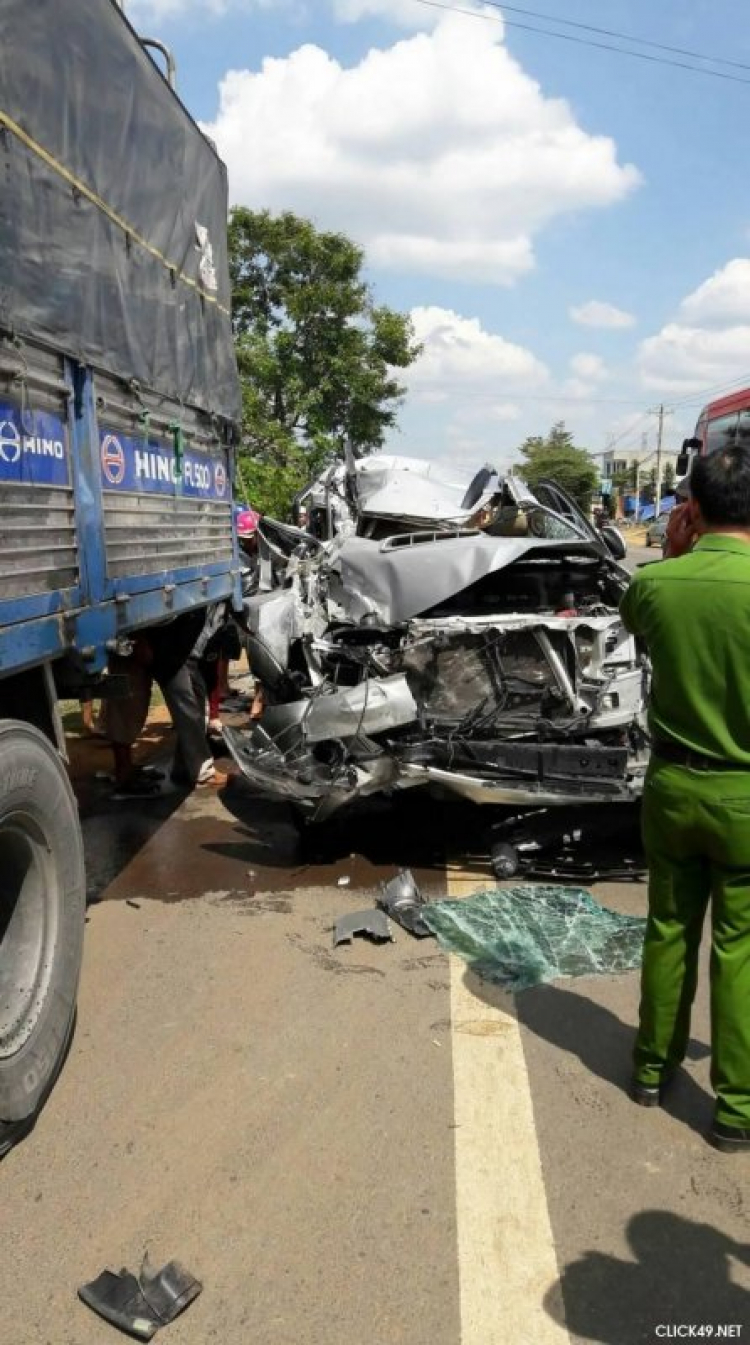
(13,444)
(10,442)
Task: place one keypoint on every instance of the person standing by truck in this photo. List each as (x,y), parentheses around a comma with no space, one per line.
(693,613)
(124,717)
(179,665)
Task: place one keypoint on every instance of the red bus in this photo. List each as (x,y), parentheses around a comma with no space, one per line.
(721,423)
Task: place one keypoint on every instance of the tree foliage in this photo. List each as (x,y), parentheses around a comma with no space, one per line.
(316,355)
(555,455)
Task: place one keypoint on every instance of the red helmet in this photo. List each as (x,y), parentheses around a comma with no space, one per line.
(247,522)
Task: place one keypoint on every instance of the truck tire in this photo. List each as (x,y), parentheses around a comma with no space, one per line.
(42,910)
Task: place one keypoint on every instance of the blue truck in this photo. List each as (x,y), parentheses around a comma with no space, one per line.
(119,410)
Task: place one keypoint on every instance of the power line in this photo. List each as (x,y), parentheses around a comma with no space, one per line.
(629,429)
(585,41)
(624,37)
(700,396)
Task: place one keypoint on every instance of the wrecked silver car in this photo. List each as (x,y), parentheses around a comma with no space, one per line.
(466,640)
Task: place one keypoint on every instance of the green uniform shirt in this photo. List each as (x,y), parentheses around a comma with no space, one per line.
(694,616)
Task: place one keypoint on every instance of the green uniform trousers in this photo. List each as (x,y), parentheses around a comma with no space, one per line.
(696,830)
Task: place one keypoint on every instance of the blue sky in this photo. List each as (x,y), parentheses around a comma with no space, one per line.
(570,228)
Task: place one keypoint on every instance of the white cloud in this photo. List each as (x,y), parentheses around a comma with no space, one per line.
(589,367)
(461,391)
(156,10)
(722,300)
(404,13)
(439,154)
(460,357)
(708,342)
(139,11)
(595,313)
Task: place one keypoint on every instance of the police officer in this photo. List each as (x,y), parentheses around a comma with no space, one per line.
(693,612)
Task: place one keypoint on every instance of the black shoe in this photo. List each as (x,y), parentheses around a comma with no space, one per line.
(645,1094)
(650,1094)
(729,1139)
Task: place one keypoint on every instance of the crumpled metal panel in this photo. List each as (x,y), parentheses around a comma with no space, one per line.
(392,486)
(372,707)
(273,618)
(519,937)
(397,584)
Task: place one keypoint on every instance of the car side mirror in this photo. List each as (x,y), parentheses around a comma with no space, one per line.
(689,447)
(614,542)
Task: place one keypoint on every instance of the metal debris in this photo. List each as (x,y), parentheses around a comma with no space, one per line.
(140,1305)
(372,924)
(565,845)
(403,901)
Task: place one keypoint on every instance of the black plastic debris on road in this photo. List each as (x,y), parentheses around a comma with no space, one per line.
(404,902)
(569,845)
(139,1306)
(372,924)
(518,937)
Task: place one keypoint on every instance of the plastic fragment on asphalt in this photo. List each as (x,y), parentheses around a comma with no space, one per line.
(404,902)
(140,1306)
(372,924)
(519,937)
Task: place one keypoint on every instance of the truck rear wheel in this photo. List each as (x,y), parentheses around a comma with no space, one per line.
(42,907)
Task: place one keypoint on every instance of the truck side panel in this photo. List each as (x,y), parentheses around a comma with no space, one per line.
(115,510)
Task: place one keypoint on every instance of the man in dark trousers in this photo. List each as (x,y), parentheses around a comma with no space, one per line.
(693,612)
(179,664)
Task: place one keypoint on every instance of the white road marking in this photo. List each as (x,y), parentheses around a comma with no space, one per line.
(506,1254)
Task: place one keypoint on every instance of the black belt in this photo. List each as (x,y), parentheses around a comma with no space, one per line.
(695,761)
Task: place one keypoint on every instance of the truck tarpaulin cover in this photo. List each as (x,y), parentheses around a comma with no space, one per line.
(114,206)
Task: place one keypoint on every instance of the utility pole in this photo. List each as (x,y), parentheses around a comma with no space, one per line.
(659,438)
(661,411)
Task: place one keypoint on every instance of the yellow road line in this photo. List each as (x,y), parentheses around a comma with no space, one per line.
(506,1254)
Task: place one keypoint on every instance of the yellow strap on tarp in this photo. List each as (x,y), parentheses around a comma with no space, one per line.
(63,172)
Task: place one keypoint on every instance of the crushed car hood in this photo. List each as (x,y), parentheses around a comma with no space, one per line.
(408,575)
(396,487)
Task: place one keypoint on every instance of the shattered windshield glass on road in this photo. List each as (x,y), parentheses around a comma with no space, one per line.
(519,937)
(474,647)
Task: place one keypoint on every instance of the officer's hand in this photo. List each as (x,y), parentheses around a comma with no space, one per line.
(680,531)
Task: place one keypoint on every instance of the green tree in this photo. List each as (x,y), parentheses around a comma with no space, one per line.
(555,455)
(648,486)
(316,355)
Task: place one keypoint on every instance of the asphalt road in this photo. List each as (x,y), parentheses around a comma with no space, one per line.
(641,555)
(359,1146)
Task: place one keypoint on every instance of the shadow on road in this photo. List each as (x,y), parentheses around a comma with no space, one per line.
(604,1044)
(410,830)
(680,1275)
(572,1022)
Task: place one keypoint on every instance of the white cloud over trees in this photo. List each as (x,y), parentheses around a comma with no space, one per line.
(438,153)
